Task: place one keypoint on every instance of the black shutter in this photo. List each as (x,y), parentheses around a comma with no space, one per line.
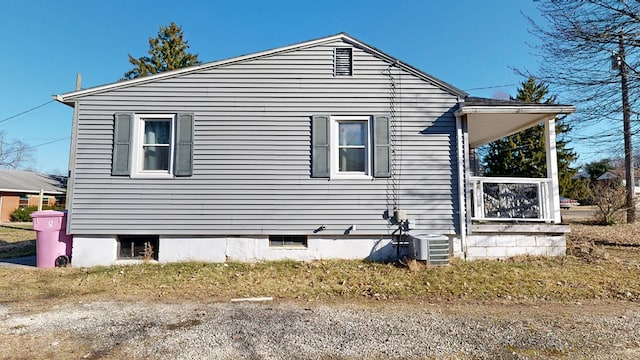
(320,140)
(382,147)
(183,162)
(122,131)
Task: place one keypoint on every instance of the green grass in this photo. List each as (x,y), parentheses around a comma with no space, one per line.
(523,280)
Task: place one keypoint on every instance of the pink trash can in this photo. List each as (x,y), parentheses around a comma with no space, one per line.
(53,245)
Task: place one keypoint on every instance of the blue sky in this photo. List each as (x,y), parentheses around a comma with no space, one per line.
(470,44)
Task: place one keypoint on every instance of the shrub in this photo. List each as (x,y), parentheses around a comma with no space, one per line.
(23,214)
(610,200)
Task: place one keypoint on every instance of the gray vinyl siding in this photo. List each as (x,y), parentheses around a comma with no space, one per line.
(252,152)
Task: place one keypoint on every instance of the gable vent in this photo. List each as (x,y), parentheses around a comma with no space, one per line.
(343,62)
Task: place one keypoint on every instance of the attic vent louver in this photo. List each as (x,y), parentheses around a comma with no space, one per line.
(343,65)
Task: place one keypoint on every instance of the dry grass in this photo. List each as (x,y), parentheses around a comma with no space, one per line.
(597,273)
(522,279)
(620,235)
(17,241)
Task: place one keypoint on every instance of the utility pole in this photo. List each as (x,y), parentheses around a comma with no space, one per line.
(626,121)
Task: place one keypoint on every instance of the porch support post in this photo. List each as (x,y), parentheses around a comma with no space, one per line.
(552,169)
(467,174)
(462,160)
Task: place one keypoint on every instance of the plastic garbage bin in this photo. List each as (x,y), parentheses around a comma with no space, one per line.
(53,245)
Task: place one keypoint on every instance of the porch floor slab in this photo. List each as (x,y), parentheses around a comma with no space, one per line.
(521,228)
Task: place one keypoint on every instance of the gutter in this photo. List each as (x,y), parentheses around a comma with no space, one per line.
(549,109)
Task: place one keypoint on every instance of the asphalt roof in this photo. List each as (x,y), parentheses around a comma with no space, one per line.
(31,182)
(480,101)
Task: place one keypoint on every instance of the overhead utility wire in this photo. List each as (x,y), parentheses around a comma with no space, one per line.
(26,111)
(50,142)
(490,87)
(35,146)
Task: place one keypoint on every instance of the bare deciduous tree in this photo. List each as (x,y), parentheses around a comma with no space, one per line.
(14,153)
(590,54)
(578,40)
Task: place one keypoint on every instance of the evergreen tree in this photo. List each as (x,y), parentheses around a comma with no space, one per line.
(523,154)
(168,52)
(597,168)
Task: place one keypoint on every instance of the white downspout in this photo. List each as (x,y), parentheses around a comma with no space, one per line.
(552,169)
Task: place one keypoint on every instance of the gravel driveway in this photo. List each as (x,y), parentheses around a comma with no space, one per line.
(116,330)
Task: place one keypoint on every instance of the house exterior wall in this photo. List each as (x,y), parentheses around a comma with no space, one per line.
(102,250)
(9,202)
(252,153)
(34,200)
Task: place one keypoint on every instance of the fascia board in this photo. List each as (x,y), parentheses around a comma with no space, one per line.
(543,109)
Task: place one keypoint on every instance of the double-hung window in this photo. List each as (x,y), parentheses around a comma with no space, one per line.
(155,135)
(350,146)
(350,155)
(153,145)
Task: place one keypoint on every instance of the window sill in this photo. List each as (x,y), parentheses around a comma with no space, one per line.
(152,176)
(125,261)
(289,247)
(351,177)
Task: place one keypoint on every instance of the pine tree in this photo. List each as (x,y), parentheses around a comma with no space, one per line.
(523,154)
(168,52)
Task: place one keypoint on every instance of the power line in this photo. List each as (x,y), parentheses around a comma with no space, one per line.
(491,87)
(35,146)
(26,111)
(49,142)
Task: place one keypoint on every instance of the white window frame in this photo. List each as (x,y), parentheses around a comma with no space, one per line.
(335,148)
(138,141)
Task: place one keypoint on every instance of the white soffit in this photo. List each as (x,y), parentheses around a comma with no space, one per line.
(488,123)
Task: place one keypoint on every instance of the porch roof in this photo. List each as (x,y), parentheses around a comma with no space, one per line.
(491,119)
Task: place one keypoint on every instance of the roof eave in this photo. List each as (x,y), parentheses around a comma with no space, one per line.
(514,109)
(415,71)
(46,192)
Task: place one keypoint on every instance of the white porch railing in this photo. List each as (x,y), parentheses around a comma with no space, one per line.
(511,199)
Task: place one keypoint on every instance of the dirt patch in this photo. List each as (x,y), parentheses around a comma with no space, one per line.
(613,235)
(581,306)
(194,330)
(594,243)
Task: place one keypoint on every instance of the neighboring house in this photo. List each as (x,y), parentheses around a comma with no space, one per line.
(581,175)
(22,189)
(301,152)
(610,175)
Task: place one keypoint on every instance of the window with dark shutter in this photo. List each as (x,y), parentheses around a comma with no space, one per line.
(350,146)
(343,63)
(153,145)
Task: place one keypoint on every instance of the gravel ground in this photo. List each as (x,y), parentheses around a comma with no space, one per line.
(116,330)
